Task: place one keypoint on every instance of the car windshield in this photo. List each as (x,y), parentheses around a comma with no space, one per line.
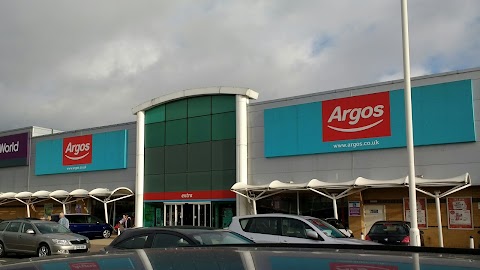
(326,228)
(51,228)
(336,223)
(219,238)
(388,228)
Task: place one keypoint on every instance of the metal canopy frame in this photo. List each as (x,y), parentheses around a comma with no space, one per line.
(63,197)
(104,196)
(338,190)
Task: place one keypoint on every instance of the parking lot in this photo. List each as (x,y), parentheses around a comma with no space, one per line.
(96,245)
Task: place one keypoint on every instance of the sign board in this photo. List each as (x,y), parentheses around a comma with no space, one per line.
(14,150)
(92,152)
(459,212)
(372,121)
(422,215)
(354,209)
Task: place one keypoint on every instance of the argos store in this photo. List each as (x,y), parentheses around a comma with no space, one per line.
(201,156)
(45,171)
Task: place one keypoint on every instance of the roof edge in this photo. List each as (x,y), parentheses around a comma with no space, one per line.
(219,90)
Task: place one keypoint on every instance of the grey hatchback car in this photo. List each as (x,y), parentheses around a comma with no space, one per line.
(38,237)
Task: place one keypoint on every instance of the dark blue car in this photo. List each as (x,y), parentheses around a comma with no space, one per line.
(87,225)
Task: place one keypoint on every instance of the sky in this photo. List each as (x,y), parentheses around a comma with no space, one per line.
(70,64)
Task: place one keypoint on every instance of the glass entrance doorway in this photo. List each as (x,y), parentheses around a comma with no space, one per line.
(187,214)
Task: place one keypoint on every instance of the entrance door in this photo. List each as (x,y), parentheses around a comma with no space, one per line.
(202,214)
(173,214)
(373,213)
(187,214)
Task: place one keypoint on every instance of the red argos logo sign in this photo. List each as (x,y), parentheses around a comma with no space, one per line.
(359,117)
(77,150)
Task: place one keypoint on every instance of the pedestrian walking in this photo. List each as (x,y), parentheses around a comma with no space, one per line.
(64,221)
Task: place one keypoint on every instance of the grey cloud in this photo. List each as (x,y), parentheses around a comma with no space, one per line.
(70,64)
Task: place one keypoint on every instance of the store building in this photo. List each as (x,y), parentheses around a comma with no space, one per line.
(45,171)
(201,156)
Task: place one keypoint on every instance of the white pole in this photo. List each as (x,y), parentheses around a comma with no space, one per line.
(414,232)
(106,211)
(242,149)
(254,202)
(472,244)
(28,210)
(439,218)
(139,181)
(64,208)
(298,203)
(335,209)
(176,215)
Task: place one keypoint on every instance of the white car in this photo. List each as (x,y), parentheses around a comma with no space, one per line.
(282,228)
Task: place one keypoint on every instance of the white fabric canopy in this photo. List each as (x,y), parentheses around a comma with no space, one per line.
(360,182)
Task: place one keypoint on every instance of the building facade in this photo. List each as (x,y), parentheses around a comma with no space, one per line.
(186,152)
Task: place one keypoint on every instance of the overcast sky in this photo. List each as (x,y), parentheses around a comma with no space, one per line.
(76,64)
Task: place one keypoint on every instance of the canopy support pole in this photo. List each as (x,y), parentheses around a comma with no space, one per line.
(335,209)
(439,218)
(298,203)
(254,203)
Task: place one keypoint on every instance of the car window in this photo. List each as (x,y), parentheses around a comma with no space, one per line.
(326,228)
(243,223)
(51,227)
(13,227)
(264,225)
(27,226)
(389,228)
(164,240)
(77,219)
(294,228)
(92,219)
(219,238)
(135,242)
(3,225)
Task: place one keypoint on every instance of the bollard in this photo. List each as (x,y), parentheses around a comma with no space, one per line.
(472,244)
(362,236)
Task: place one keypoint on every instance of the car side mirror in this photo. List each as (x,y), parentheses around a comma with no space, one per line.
(312,235)
(30,231)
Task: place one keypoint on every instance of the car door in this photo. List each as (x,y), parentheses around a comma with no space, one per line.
(262,229)
(78,224)
(27,242)
(11,234)
(95,225)
(295,231)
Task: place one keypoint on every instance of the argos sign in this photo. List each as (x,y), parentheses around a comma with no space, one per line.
(77,150)
(372,121)
(93,152)
(365,116)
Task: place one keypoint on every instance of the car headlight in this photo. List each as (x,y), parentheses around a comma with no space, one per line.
(61,242)
(88,241)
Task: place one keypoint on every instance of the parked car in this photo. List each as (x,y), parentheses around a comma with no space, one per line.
(339,225)
(38,237)
(391,233)
(164,237)
(260,257)
(282,228)
(87,225)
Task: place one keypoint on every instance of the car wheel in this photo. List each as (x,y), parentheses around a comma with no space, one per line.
(43,251)
(2,250)
(106,234)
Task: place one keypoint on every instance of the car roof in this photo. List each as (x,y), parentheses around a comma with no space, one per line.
(277,215)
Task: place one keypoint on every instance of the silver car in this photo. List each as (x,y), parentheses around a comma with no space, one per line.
(38,237)
(282,228)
